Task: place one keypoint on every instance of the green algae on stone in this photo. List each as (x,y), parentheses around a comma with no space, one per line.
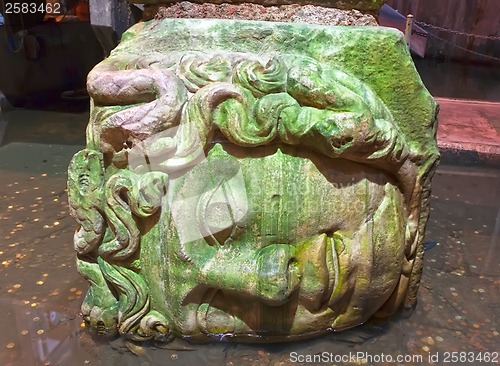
(264,180)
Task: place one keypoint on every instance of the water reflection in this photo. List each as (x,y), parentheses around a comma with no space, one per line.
(36,335)
(460,80)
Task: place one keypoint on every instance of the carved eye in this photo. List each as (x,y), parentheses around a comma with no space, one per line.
(218,212)
(211,203)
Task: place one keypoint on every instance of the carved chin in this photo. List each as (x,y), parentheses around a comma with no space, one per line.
(282,243)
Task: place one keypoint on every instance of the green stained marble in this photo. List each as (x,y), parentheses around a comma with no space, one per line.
(258,181)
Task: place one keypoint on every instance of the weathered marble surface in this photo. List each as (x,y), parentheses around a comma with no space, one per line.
(262,181)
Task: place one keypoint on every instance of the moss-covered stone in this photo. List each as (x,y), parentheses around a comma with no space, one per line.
(245,178)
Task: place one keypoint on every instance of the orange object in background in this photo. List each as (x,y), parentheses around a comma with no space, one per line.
(82,10)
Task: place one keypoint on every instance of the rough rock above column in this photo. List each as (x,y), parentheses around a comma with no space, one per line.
(369,6)
(295,13)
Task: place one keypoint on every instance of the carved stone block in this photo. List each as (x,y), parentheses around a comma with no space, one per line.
(257,181)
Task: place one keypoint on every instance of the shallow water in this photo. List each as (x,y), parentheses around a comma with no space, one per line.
(41,292)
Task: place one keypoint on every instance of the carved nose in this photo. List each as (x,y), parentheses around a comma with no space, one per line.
(278,273)
(271,274)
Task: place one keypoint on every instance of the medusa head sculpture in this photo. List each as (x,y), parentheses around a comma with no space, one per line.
(252,179)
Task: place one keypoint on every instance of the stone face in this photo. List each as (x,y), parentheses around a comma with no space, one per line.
(258,181)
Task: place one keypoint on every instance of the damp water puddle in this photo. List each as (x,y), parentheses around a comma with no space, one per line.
(41,292)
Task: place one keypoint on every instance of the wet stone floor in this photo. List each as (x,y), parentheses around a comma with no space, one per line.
(455,321)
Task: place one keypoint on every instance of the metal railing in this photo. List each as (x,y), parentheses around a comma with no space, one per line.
(409,30)
(465,34)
